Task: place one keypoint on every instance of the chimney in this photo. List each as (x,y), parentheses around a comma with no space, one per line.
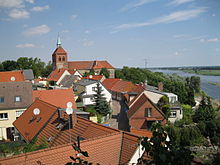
(160,86)
(71,121)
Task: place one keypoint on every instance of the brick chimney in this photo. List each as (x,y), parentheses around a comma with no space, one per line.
(160,86)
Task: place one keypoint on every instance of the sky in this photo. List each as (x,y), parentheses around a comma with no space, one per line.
(134,33)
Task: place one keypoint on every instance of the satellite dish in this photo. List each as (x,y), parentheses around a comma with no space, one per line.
(69,110)
(69,104)
(36,111)
(12,78)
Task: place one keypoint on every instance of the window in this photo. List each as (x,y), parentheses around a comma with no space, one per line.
(92,99)
(18,113)
(2,99)
(63,58)
(94,89)
(173,114)
(59,58)
(148,112)
(17,98)
(3,116)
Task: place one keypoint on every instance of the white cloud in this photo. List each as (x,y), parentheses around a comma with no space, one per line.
(27,45)
(88,43)
(65,31)
(30,1)
(11,3)
(179,2)
(73,17)
(178,16)
(135,4)
(213,40)
(38,30)
(210,40)
(19,14)
(87,32)
(40,8)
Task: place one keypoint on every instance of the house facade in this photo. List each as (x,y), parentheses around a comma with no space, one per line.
(87,89)
(15,97)
(175,108)
(142,113)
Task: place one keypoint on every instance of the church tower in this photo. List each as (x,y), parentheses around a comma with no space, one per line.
(59,57)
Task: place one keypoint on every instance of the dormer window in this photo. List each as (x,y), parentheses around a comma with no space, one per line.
(17,98)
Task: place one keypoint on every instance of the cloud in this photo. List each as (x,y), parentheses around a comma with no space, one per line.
(73,17)
(11,3)
(38,30)
(87,32)
(88,43)
(210,40)
(179,2)
(65,31)
(178,16)
(30,1)
(213,40)
(19,14)
(40,8)
(135,4)
(27,45)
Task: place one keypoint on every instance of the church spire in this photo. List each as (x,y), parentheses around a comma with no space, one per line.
(58,41)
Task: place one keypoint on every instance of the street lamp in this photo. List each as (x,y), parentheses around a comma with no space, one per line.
(69,111)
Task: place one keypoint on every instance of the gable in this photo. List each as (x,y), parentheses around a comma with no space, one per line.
(29,125)
(137,110)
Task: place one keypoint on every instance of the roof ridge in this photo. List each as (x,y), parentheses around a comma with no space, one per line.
(120,151)
(97,124)
(100,137)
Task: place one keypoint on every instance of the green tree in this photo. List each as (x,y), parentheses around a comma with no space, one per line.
(1,67)
(163,104)
(48,69)
(205,112)
(101,105)
(105,72)
(162,151)
(10,65)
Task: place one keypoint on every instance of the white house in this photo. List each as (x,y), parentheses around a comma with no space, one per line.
(175,109)
(87,89)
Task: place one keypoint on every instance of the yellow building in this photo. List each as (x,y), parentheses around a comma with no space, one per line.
(15,97)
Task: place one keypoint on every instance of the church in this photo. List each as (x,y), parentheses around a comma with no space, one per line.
(60,61)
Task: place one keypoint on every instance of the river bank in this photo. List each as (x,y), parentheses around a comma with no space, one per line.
(210,89)
(203,72)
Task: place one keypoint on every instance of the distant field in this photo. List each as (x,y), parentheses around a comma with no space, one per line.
(204,72)
(216,84)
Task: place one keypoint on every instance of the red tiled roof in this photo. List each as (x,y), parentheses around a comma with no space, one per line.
(81,65)
(59,50)
(29,129)
(116,148)
(12,76)
(57,97)
(102,64)
(118,85)
(56,74)
(110,82)
(142,132)
(93,77)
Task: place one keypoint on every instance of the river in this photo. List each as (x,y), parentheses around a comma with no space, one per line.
(209,89)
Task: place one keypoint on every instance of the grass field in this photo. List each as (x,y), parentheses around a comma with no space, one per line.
(216,84)
(204,72)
